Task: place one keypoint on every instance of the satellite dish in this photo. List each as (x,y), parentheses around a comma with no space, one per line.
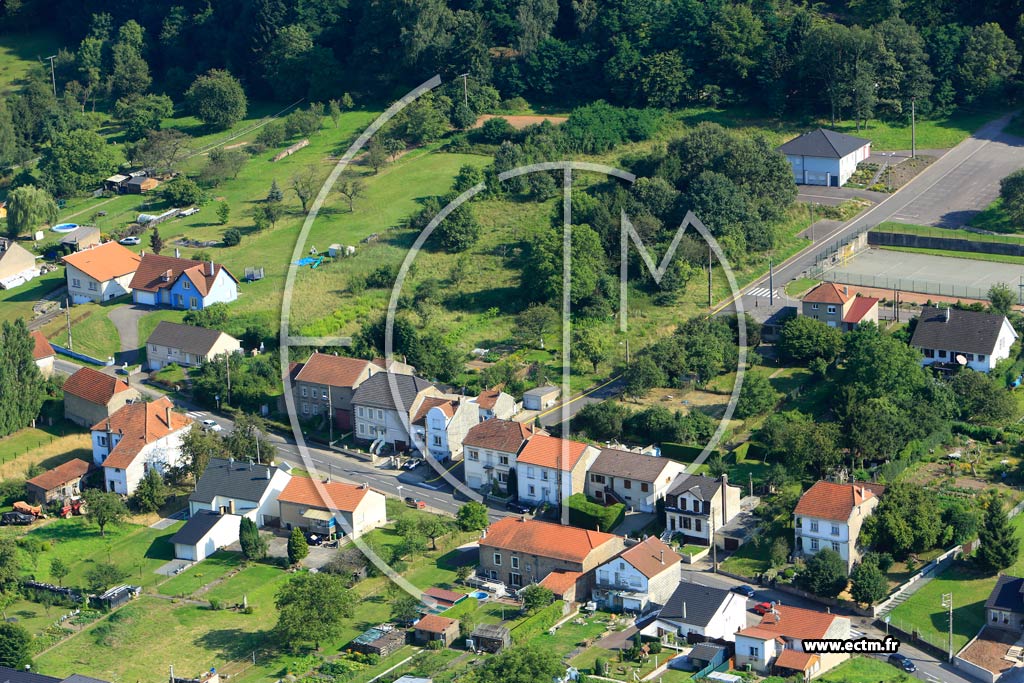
(961,359)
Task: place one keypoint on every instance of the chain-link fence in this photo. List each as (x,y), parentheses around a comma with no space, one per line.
(946,233)
(905,284)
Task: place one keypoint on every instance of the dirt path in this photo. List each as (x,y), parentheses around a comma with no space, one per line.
(520,122)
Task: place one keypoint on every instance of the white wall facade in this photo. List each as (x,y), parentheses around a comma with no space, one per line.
(809,170)
(82,288)
(980,362)
(222,534)
(483,465)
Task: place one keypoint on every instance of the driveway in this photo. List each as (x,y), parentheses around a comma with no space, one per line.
(126,320)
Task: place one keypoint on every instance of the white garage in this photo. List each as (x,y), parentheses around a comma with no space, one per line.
(825,157)
(205,533)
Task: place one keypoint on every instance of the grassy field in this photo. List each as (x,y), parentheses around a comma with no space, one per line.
(20,52)
(211,569)
(92,332)
(951,233)
(32,446)
(995,219)
(18,302)
(862,669)
(974,256)
(800,286)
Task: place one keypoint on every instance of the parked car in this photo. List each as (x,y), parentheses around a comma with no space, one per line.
(903,662)
(130,241)
(314,539)
(411,464)
(16,519)
(744,590)
(518,508)
(763,608)
(415,503)
(211,426)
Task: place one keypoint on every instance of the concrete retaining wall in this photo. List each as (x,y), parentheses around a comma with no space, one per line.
(890,239)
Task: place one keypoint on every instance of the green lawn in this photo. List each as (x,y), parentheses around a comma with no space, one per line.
(18,302)
(951,233)
(148,323)
(750,559)
(800,286)
(214,567)
(974,256)
(865,670)
(92,332)
(21,52)
(995,219)
(247,581)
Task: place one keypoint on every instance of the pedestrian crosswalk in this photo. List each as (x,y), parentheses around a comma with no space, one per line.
(195,414)
(854,633)
(762,291)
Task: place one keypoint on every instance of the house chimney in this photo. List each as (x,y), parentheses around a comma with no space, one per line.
(168,417)
(663,557)
(211,268)
(231,506)
(268,473)
(846,291)
(946,314)
(177,253)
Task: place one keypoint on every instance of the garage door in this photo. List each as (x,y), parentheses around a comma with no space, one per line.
(812,178)
(184,552)
(474,482)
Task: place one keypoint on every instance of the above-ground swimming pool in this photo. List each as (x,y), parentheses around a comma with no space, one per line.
(65,227)
(480,595)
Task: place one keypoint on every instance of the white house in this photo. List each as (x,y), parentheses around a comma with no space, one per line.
(697,506)
(496,403)
(551,469)
(830,515)
(491,452)
(825,157)
(100,273)
(775,646)
(137,437)
(641,578)
(186,345)
(635,479)
(953,336)
(240,488)
(701,610)
(441,425)
(331,509)
(384,416)
(205,533)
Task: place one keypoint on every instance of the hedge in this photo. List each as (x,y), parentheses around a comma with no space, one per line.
(978,432)
(682,452)
(588,514)
(539,623)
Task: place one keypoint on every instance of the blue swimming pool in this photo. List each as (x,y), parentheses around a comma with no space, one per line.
(65,227)
(480,595)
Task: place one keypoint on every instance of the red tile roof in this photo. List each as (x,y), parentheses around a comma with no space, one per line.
(434,623)
(559,581)
(545,539)
(444,595)
(41,348)
(550,451)
(323,495)
(651,557)
(447,406)
(488,398)
(826,293)
(62,474)
(94,386)
(795,660)
(498,435)
(796,622)
(760,634)
(861,306)
(334,371)
(105,262)
(826,500)
(140,424)
(156,272)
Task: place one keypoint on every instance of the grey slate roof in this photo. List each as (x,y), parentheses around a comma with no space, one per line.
(705,652)
(8,675)
(188,338)
(702,602)
(232,479)
(1007,594)
(80,233)
(823,143)
(968,331)
(376,391)
(542,391)
(613,462)
(704,488)
(196,527)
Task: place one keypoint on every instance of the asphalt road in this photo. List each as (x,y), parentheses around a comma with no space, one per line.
(568,410)
(962,180)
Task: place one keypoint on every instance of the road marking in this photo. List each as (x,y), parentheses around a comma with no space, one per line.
(762,292)
(573,400)
(195,413)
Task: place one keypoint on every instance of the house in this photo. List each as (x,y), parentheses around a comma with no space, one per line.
(444,598)
(776,644)
(17,265)
(696,506)
(383,640)
(240,488)
(138,437)
(91,396)
(435,627)
(830,515)
(331,508)
(385,405)
(8,675)
(82,237)
(205,533)
(1004,608)
(140,184)
(491,452)
(101,273)
(541,397)
(992,655)
(325,383)
(519,552)
(182,283)
(63,481)
(496,403)
(441,424)
(833,305)
(186,345)
(491,638)
(698,612)
(637,480)
(552,469)
(640,578)
(952,336)
(42,353)
(825,157)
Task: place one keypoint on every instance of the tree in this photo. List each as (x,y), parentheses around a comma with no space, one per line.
(459,230)
(869,584)
(254,546)
(535,597)
(302,123)
(999,547)
(182,191)
(533,323)
(10,566)
(216,98)
(803,338)
(536,20)
(28,207)
(590,343)
(757,396)
(75,161)
(197,448)
(305,184)
(347,102)
(222,164)
(224,212)
(298,548)
(151,492)
(334,111)
(232,237)
(312,608)
(1011,191)
(156,242)
(472,516)
(161,150)
(59,570)
(642,376)
(433,527)
(351,190)
(981,399)
(129,74)
(274,194)
(907,520)
(1000,298)
(103,508)
(988,62)
(102,575)
(521,664)
(15,646)
(463,572)
(248,440)
(825,574)
(376,155)
(405,609)
(140,115)
(779,553)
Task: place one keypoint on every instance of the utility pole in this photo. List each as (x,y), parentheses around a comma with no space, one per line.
(947,602)
(810,210)
(227,362)
(913,127)
(465,88)
(710,301)
(771,283)
(53,75)
(330,417)
(67,319)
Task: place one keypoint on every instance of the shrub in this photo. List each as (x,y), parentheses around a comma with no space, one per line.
(232,237)
(588,514)
(539,623)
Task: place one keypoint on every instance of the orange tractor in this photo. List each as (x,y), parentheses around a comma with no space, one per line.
(73,506)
